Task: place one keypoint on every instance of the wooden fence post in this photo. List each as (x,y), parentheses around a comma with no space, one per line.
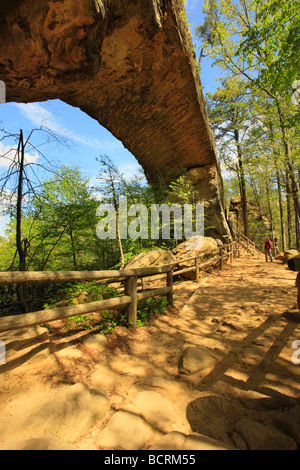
(221,260)
(231,254)
(170,284)
(131,290)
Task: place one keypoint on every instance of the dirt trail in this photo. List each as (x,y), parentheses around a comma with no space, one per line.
(237,314)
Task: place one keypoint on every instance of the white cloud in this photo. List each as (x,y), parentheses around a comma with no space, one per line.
(192,5)
(41,116)
(3,222)
(8,155)
(129,169)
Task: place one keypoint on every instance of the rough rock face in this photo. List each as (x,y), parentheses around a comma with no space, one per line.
(151,258)
(130,66)
(235,216)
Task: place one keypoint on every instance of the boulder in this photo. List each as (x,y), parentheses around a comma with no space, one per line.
(191,248)
(151,258)
(126,431)
(287,255)
(195,359)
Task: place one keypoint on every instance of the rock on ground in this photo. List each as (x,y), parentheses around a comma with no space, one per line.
(195,359)
(260,437)
(126,431)
(156,410)
(179,441)
(43,443)
(70,414)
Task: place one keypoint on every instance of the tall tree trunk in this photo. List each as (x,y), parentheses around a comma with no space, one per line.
(116,206)
(73,248)
(271,215)
(242,184)
(289,212)
(21,244)
(120,241)
(282,225)
(297,232)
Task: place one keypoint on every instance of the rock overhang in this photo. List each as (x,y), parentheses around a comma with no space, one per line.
(129,66)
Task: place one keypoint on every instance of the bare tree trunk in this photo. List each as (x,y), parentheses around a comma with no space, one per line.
(116,206)
(73,248)
(21,244)
(120,242)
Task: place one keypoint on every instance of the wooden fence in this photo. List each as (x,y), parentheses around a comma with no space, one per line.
(130,277)
(250,245)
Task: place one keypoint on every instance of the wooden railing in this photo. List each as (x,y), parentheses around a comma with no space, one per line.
(250,245)
(130,277)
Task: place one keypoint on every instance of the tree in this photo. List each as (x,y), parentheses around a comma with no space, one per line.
(22,168)
(277,32)
(243,46)
(111,182)
(228,111)
(65,213)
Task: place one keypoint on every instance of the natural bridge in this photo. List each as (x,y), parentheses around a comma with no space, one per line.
(129,65)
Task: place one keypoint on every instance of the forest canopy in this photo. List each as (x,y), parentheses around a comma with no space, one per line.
(255,111)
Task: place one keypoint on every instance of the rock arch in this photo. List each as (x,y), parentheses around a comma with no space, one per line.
(130,67)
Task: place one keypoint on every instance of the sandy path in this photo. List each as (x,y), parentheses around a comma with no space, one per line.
(236,314)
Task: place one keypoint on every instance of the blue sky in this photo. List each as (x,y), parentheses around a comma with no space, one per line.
(87,139)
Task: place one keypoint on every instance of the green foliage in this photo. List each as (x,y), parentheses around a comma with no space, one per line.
(149,307)
(117,317)
(81,291)
(255,43)
(60,226)
(276,36)
(80,322)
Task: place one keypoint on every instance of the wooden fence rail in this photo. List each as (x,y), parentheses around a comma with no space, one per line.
(131,295)
(249,243)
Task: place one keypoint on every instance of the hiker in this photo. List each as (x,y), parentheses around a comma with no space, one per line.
(268,246)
